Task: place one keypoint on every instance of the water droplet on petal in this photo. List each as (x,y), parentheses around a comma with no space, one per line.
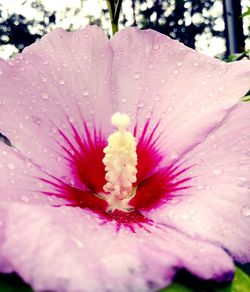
(137,75)
(174,155)
(141,104)
(195,64)
(24,199)
(217,171)
(178,63)
(85,92)
(61,82)
(176,72)
(44,95)
(11,166)
(245,211)
(156,47)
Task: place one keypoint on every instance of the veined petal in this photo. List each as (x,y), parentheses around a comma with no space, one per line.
(65,249)
(57,81)
(23,181)
(216,206)
(155,76)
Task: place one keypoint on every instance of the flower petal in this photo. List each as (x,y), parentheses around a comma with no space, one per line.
(216,207)
(21,180)
(68,249)
(155,76)
(52,84)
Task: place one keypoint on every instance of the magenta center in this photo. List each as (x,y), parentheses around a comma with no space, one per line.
(155,184)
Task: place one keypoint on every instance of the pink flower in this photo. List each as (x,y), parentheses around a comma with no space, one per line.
(191,205)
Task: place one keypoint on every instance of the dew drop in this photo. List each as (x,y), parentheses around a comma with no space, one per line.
(200,187)
(163,81)
(157,98)
(61,82)
(124,99)
(85,92)
(36,120)
(141,104)
(24,199)
(44,96)
(137,75)
(77,242)
(54,130)
(178,63)
(11,166)
(217,171)
(150,66)
(1,72)
(195,64)
(174,155)
(176,72)
(156,47)
(44,79)
(245,211)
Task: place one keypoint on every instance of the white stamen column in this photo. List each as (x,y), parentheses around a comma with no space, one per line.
(120,164)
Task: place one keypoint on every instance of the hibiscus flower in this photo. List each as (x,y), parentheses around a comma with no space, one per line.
(83,209)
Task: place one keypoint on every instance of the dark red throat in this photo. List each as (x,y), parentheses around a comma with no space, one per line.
(156,184)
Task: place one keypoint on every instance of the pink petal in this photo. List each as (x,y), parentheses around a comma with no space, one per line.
(66,74)
(67,249)
(217,206)
(190,93)
(20,180)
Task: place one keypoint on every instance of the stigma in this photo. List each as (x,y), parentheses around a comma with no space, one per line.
(120,161)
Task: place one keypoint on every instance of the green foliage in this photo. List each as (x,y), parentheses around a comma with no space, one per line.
(237,57)
(246,13)
(246,98)
(241,283)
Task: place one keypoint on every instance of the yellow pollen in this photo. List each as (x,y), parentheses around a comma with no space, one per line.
(120,162)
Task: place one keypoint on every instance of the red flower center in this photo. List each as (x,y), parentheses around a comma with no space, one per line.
(154,185)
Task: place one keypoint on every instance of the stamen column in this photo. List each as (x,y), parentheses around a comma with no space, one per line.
(120,164)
